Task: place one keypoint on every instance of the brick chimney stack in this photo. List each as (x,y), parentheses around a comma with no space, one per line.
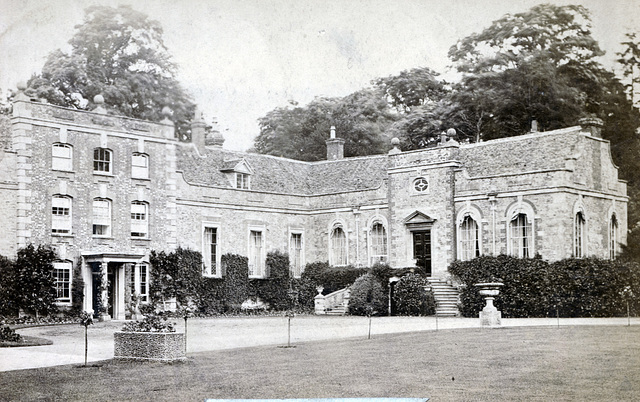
(335,146)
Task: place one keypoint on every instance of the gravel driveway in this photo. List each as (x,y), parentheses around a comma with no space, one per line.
(208,334)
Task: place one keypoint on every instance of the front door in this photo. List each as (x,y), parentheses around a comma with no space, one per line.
(422,249)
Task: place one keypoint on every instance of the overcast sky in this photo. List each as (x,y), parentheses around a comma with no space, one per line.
(241,59)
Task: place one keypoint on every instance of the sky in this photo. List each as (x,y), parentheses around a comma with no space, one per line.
(241,59)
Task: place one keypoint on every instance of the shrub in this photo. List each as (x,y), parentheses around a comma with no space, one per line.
(586,287)
(34,287)
(177,274)
(274,290)
(8,303)
(411,297)
(330,278)
(9,335)
(150,323)
(367,297)
(236,281)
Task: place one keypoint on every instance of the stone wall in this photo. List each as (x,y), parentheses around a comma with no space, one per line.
(154,346)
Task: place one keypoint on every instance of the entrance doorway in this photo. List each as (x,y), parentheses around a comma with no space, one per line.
(422,249)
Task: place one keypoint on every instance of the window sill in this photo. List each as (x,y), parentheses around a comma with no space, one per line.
(63,303)
(102,237)
(258,277)
(212,276)
(144,239)
(63,171)
(62,235)
(106,174)
(141,178)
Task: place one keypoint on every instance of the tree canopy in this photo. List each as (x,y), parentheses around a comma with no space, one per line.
(120,54)
(361,118)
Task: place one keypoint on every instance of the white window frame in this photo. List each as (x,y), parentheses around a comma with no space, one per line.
(139,281)
(613,227)
(469,244)
(243,181)
(60,160)
(257,258)
(206,257)
(68,267)
(139,170)
(102,164)
(376,257)
(342,259)
(521,208)
(296,271)
(61,222)
(105,221)
(139,219)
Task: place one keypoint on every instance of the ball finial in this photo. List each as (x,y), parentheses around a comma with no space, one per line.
(98,99)
(167,112)
(451,132)
(22,85)
(395,141)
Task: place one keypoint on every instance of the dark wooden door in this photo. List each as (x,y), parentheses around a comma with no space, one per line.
(422,249)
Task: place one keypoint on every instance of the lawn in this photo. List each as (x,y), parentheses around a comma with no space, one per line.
(534,363)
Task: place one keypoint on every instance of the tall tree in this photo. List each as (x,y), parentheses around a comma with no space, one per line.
(540,64)
(361,118)
(412,88)
(120,54)
(630,63)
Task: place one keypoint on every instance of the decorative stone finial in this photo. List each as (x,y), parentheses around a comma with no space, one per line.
(99,100)
(167,112)
(592,125)
(21,96)
(451,132)
(333,132)
(21,86)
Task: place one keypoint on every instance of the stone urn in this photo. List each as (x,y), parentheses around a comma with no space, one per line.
(490,316)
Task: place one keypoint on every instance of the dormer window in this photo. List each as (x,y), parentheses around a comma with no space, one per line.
(238,173)
(242,181)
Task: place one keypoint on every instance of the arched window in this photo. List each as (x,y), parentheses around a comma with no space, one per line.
(520,236)
(102,161)
(613,237)
(378,243)
(101,217)
(62,157)
(61,217)
(579,235)
(139,166)
(338,247)
(139,219)
(469,241)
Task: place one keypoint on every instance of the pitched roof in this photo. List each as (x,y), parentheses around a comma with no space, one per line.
(281,175)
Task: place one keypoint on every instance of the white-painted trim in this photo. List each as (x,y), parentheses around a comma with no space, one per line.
(217,226)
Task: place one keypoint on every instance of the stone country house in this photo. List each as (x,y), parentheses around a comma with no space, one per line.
(106,190)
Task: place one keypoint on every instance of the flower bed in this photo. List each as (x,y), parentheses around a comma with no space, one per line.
(155,346)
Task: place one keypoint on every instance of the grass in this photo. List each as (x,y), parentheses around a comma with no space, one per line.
(535,363)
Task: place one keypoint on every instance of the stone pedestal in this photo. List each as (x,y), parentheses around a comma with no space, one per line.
(490,316)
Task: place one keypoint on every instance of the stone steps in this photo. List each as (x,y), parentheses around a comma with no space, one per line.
(446,297)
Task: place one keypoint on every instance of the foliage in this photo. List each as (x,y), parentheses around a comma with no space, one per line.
(236,280)
(86,319)
(34,287)
(8,303)
(588,287)
(274,290)
(411,88)
(176,274)
(630,62)
(150,323)
(361,119)
(368,297)
(411,297)
(120,54)
(7,334)
(77,289)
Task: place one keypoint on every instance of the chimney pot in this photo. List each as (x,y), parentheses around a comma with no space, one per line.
(534,126)
(335,146)
(592,125)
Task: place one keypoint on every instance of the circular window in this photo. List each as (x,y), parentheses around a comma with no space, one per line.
(420,184)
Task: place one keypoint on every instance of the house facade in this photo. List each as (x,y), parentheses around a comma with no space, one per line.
(106,190)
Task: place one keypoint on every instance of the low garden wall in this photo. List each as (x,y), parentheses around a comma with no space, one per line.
(155,346)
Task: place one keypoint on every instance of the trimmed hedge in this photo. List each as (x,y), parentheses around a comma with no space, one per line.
(275,289)
(368,297)
(411,298)
(533,287)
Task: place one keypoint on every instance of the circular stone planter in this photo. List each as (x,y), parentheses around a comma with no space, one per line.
(153,346)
